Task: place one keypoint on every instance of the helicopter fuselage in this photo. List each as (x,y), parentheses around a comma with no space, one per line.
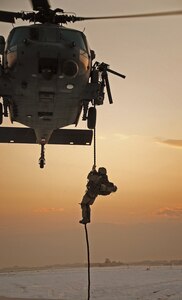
(48,69)
(47,77)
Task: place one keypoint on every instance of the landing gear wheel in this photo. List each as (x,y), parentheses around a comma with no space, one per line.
(1,113)
(91,119)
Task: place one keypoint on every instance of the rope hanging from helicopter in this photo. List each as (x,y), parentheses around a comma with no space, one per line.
(88,262)
(95,153)
(102,69)
(85,225)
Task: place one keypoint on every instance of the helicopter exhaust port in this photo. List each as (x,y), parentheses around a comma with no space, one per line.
(70,68)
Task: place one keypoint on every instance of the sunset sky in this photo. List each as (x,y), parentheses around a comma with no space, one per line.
(139,141)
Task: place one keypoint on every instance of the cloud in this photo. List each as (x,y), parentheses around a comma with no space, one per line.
(121,136)
(170,142)
(101,137)
(175,212)
(46,210)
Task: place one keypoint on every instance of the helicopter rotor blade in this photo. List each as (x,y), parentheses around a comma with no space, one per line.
(44,7)
(130,16)
(40,4)
(8,16)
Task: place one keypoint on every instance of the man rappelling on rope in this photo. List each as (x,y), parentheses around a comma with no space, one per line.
(98,184)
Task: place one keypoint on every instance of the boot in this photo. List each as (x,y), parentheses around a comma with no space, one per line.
(85,214)
(84,221)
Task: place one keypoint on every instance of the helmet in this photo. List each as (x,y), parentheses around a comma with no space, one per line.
(102,171)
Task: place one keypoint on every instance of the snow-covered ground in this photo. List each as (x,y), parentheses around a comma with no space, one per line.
(125,283)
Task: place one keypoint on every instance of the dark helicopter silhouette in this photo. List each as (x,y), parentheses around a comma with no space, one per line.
(48,77)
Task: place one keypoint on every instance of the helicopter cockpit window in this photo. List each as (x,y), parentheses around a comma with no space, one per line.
(18,35)
(48,34)
(74,36)
(34,33)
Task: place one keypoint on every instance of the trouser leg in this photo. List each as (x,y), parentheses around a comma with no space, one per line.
(86,212)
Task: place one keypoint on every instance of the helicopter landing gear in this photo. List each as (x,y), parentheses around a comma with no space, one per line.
(5,106)
(42,156)
(91,118)
(1,113)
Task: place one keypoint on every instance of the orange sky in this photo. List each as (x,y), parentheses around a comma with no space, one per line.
(139,140)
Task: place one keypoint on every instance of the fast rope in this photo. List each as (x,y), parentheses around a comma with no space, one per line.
(88,260)
(86,232)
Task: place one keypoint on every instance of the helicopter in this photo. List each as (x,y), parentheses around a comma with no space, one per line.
(49,77)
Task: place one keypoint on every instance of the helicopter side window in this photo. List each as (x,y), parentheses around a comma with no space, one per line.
(17,36)
(74,36)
